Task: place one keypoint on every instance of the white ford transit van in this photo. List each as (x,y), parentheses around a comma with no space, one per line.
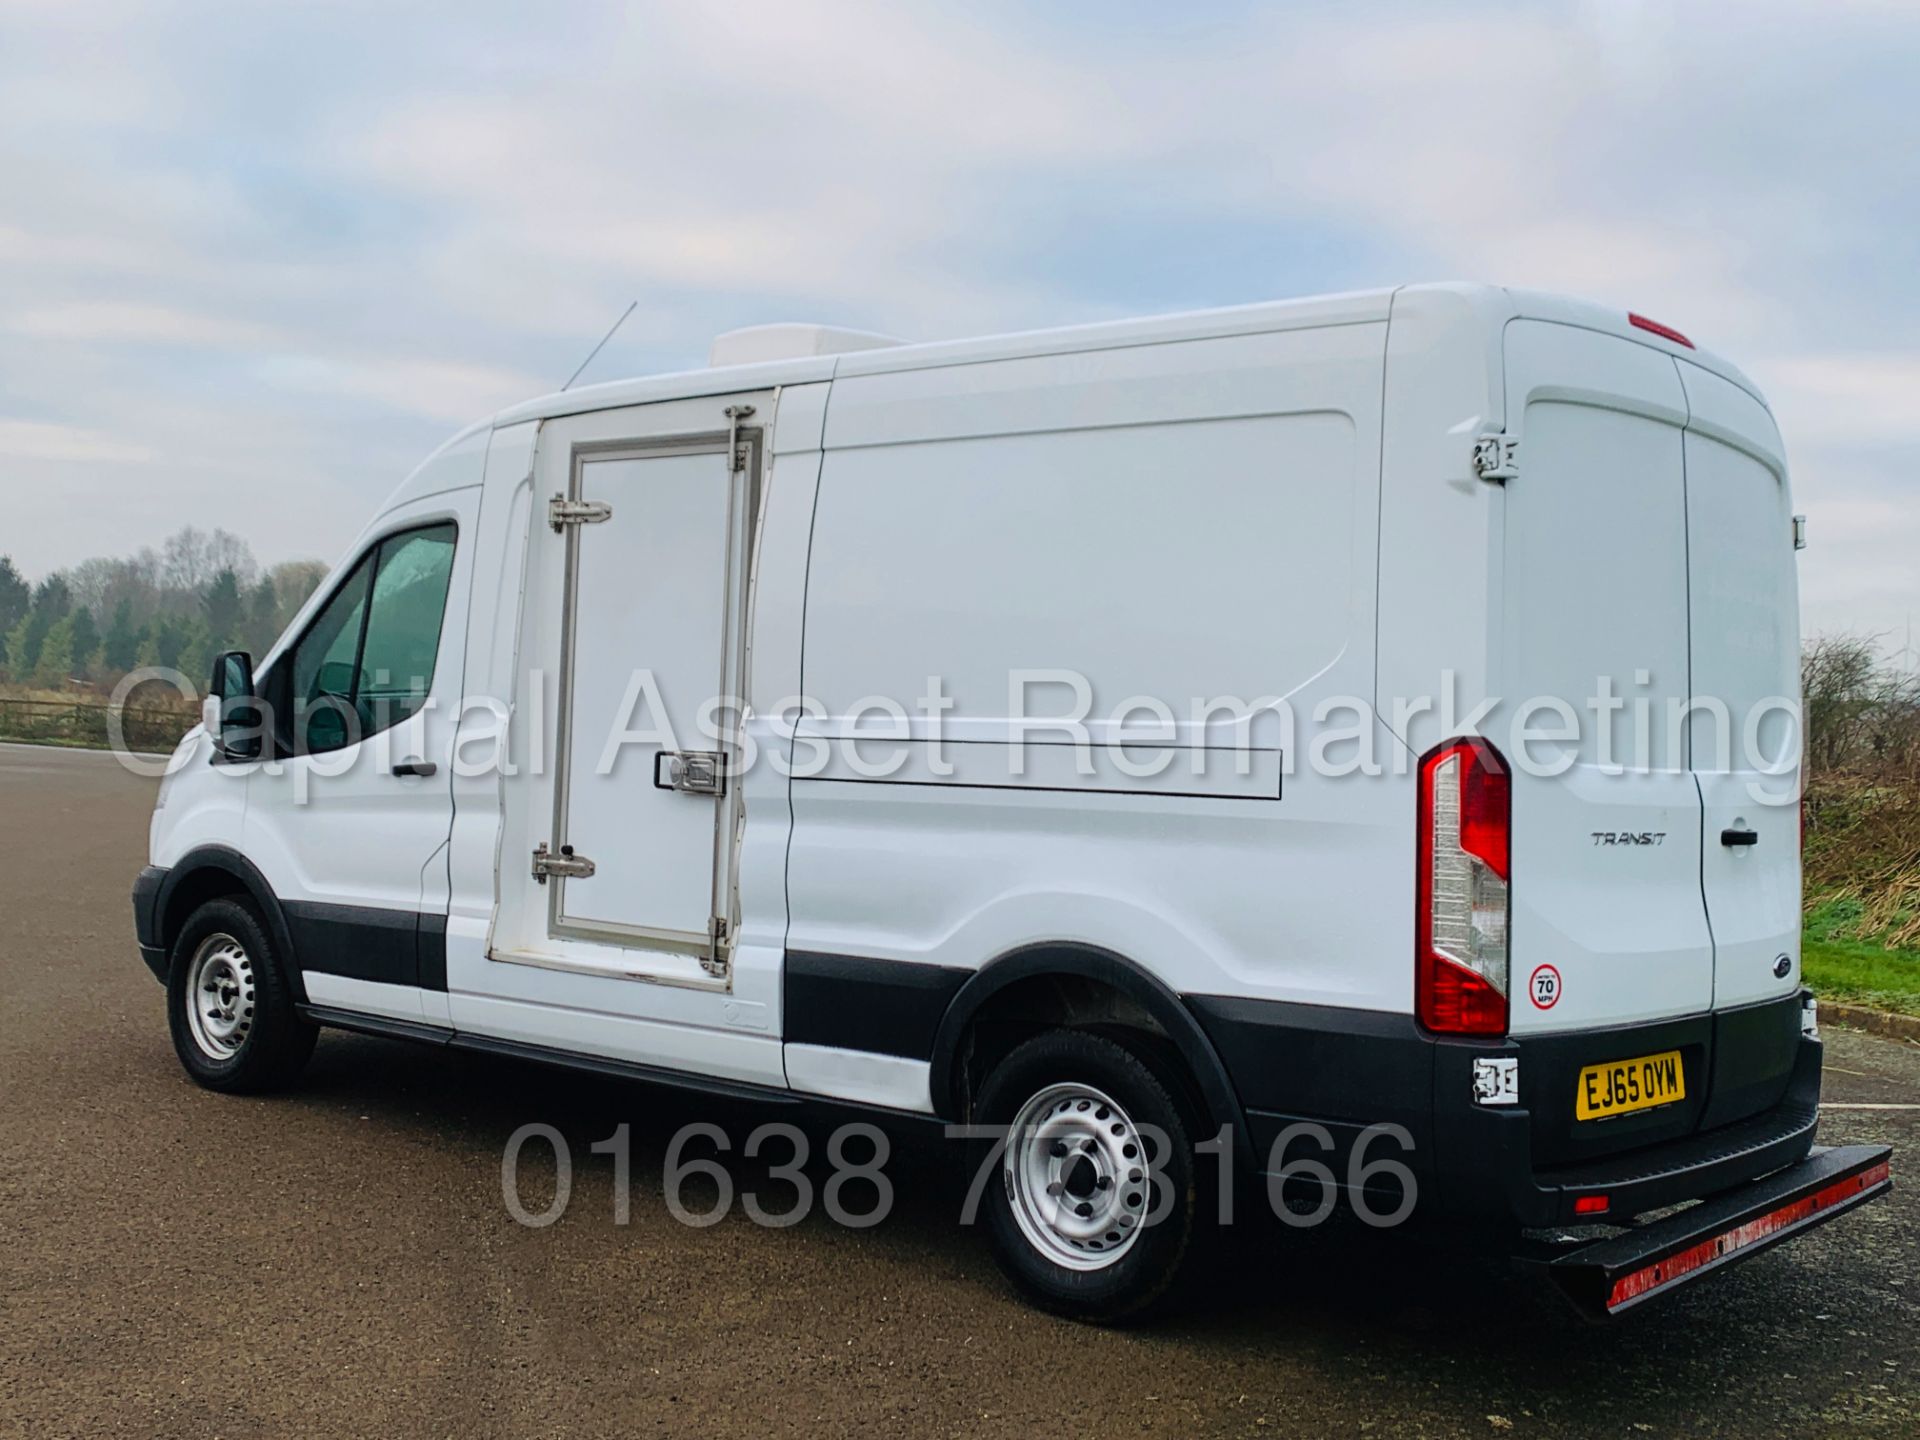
(1348,741)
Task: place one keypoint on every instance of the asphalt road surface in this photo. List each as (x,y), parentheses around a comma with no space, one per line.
(339,1260)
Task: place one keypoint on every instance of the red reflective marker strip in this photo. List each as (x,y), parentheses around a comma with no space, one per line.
(1591,1205)
(1630,1287)
(1665,332)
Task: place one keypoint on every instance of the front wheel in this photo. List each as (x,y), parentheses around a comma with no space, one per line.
(232,1016)
(1092,1211)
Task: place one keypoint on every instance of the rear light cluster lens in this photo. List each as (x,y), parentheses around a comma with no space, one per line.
(1465,826)
(1654,327)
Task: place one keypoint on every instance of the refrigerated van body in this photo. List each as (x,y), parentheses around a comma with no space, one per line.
(832,725)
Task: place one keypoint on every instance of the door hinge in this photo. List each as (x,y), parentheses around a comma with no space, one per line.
(562,512)
(567,865)
(714,962)
(1497,457)
(735,414)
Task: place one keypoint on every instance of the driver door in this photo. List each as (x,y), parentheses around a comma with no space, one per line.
(349,822)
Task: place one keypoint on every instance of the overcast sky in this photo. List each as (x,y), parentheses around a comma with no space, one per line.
(256,261)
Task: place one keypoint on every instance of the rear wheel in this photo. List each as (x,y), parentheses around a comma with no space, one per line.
(1092,1205)
(228,1004)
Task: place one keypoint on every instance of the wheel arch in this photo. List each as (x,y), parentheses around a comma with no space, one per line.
(1046,968)
(209,872)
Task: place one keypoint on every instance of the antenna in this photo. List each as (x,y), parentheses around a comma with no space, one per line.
(602,345)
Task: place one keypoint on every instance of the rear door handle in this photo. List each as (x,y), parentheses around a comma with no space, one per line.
(691,772)
(422,768)
(1738,838)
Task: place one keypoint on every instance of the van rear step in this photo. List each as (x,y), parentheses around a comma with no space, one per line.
(1605,1277)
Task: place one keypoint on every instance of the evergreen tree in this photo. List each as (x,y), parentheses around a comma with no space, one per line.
(13,645)
(263,609)
(120,651)
(86,640)
(51,601)
(23,645)
(198,646)
(162,647)
(55,661)
(15,595)
(222,607)
(52,597)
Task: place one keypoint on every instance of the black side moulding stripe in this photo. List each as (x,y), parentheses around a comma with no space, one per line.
(430,953)
(888,1007)
(363,942)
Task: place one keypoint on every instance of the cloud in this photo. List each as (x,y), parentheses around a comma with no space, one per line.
(443,390)
(281,250)
(38,440)
(139,324)
(1849,399)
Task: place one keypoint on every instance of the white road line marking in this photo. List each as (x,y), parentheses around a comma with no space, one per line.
(1825,1106)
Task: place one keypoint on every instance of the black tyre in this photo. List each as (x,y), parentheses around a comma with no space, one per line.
(228,1004)
(1093,1205)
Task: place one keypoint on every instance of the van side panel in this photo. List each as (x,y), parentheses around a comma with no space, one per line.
(1184,521)
(1440,556)
(1159,561)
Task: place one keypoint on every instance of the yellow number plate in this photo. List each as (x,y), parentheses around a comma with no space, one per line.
(1624,1086)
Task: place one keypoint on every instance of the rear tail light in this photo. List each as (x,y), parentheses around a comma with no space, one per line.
(1465,823)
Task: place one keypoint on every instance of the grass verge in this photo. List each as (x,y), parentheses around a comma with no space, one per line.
(1862,974)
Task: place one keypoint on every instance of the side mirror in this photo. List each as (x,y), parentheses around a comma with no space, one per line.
(237,728)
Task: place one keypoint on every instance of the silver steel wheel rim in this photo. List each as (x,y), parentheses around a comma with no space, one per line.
(1077,1178)
(220,997)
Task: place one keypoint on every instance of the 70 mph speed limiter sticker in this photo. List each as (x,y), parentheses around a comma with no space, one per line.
(1544,988)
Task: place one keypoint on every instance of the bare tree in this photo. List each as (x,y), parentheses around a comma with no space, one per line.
(293,581)
(1862,713)
(191,557)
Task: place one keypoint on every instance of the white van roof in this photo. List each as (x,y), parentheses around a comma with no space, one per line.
(822,352)
(759,343)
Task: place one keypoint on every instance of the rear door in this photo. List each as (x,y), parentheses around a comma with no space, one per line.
(1608,925)
(1744,739)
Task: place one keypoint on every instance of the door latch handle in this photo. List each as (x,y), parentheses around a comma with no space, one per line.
(1739,838)
(421,768)
(691,772)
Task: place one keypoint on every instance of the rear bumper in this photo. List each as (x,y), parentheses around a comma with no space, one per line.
(1486,1164)
(1752,1105)
(146,919)
(1606,1277)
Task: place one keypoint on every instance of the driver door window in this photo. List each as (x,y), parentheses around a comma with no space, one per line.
(366,663)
